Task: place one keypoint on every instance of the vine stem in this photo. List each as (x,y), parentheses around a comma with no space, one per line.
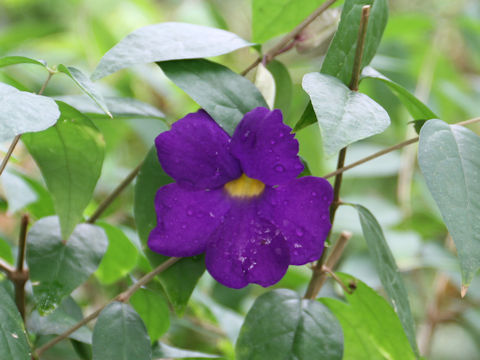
(317,280)
(16,139)
(6,268)
(285,42)
(20,276)
(390,149)
(122,297)
(118,190)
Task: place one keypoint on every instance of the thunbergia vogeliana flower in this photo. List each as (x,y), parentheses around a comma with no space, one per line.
(238,199)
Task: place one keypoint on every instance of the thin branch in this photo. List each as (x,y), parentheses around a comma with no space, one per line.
(290,37)
(6,268)
(390,149)
(334,276)
(319,275)
(20,276)
(118,190)
(15,140)
(123,297)
(362,32)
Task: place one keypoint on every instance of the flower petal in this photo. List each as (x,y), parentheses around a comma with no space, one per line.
(266,148)
(246,249)
(186,219)
(300,209)
(196,153)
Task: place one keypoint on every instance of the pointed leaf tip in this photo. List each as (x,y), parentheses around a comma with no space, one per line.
(464,290)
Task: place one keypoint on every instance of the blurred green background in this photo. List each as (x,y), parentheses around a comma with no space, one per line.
(431,47)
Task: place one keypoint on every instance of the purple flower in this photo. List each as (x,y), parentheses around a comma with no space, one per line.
(238,200)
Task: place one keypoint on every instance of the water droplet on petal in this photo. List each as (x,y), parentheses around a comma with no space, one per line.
(325,198)
(299,232)
(285,202)
(272,142)
(314,193)
(297,246)
(212,215)
(184,226)
(190,212)
(281,135)
(324,217)
(279,168)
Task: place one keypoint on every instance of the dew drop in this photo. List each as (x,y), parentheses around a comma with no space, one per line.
(15,335)
(184,226)
(272,142)
(285,202)
(297,246)
(212,215)
(279,168)
(299,232)
(281,135)
(189,212)
(325,198)
(314,193)
(324,217)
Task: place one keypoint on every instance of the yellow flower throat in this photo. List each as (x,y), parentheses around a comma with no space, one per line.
(244,187)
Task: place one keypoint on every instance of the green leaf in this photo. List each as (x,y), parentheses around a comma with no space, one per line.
(180,279)
(154,311)
(58,267)
(225,95)
(282,325)
(43,206)
(274,17)
(387,271)
(63,318)
(341,53)
(371,328)
(344,116)
(6,251)
(13,60)
(13,338)
(308,118)
(120,258)
(120,107)
(164,351)
(167,41)
(24,112)
(70,157)
(415,107)
(283,85)
(449,157)
(86,85)
(120,334)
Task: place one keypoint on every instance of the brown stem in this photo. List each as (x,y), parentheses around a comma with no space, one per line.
(118,190)
(17,138)
(20,276)
(334,276)
(6,268)
(362,32)
(319,275)
(123,297)
(290,37)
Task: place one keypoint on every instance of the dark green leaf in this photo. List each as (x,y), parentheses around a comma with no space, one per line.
(167,41)
(282,325)
(274,17)
(283,86)
(344,116)
(24,112)
(341,54)
(225,95)
(13,60)
(180,279)
(86,85)
(308,118)
(43,206)
(153,309)
(58,267)
(6,251)
(13,339)
(449,157)
(415,107)
(387,271)
(120,334)
(418,124)
(70,157)
(371,328)
(120,258)
(164,351)
(83,350)
(59,321)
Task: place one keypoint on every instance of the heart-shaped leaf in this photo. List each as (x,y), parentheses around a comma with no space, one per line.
(24,112)
(344,116)
(120,334)
(58,267)
(282,325)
